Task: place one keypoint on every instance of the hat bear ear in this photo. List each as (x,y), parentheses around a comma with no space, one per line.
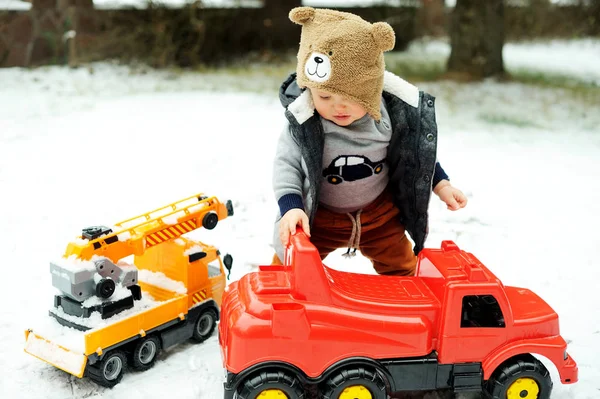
(301,15)
(384,36)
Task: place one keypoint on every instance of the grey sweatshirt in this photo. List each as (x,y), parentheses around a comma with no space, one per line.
(354,162)
(354,168)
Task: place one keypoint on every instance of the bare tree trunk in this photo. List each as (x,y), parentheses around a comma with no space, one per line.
(477,38)
(432,18)
(595,21)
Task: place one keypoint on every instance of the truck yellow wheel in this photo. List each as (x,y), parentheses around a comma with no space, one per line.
(272,394)
(354,382)
(523,388)
(356,392)
(273,383)
(521,377)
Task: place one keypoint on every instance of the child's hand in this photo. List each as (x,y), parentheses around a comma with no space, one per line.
(453,197)
(288,223)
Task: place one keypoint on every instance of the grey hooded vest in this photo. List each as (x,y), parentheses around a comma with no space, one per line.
(411,153)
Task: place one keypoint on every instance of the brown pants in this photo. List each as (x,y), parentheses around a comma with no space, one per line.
(381,236)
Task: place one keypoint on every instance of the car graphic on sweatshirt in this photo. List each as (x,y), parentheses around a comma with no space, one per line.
(351,168)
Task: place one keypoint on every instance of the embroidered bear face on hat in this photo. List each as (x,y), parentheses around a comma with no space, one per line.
(343,54)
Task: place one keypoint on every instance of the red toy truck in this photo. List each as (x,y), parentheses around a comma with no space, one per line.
(303,327)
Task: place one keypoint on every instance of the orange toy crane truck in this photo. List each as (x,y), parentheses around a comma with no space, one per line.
(121,313)
(303,327)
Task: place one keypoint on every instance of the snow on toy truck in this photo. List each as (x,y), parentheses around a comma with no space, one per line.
(287,330)
(110,314)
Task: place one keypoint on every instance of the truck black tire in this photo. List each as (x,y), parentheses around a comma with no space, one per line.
(210,220)
(275,381)
(109,371)
(524,376)
(354,380)
(145,353)
(205,325)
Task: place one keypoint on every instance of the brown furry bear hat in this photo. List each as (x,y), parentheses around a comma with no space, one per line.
(343,54)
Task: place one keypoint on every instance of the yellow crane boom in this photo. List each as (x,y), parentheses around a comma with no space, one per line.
(133,236)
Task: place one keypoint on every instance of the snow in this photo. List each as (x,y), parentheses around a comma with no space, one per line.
(95,320)
(527,157)
(118,4)
(160,213)
(14,5)
(559,58)
(73,264)
(158,279)
(174,218)
(193,250)
(359,3)
(580,60)
(66,337)
(124,236)
(396,3)
(52,353)
(20,5)
(198,207)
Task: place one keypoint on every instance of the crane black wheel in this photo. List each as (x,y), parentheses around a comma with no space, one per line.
(354,382)
(109,371)
(210,220)
(145,353)
(270,384)
(105,288)
(205,325)
(522,377)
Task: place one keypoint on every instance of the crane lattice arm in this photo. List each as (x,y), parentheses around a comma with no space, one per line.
(133,236)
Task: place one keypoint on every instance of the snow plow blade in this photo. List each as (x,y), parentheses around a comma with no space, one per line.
(56,355)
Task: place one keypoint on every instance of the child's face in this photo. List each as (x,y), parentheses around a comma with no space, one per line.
(336,108)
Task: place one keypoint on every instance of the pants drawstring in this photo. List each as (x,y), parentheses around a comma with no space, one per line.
(354,241)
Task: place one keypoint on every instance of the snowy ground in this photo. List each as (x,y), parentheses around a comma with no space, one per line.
(95,146)
(558,59)
(116,4)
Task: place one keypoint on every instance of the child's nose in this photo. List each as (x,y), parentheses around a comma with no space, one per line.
(340,105)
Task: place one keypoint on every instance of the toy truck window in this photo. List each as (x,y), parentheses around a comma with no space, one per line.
(214,270)
(481,311)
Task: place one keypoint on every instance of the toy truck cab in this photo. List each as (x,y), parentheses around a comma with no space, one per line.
(287,330)
(489,323)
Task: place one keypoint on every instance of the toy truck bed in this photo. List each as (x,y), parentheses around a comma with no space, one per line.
(397,317)
(70,349)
